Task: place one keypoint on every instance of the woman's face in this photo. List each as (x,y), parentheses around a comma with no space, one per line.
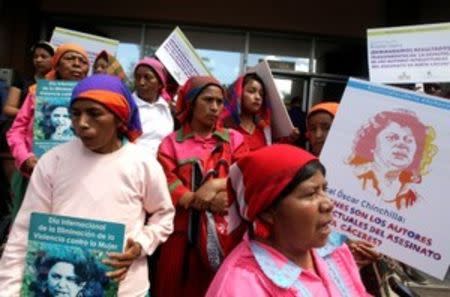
(62,280)
(100,66)
(395,147)
(72,66)
(42,61)
(253,97)
(207,107)
(147,82)
(318,126)
(302,220)
(95,125)
(60,118)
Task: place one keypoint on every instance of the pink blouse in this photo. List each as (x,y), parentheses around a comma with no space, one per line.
(20,135)
(123,186)
(255,269)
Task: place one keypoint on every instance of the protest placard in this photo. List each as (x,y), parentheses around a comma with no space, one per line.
(93,44)
(281,122)
(180,58)
(387,157)
(71,249)
(52,124)
(409,54)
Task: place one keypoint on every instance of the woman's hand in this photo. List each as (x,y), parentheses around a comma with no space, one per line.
(29,164)
(122,261)
(219,203)
(206,193)
(294,136)
(363,252)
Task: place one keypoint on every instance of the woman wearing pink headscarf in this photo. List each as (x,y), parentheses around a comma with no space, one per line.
(150,78)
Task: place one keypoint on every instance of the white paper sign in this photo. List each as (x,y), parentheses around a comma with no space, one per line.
(93,44)
(410,54)
(388,167)
(281,122)
(180,58)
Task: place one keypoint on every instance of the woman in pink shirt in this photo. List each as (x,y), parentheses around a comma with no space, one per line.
(281,191)
(70,62)
(100,175)
(196,159)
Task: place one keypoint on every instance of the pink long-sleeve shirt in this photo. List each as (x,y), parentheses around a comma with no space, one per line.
(121,187)
(20,135)
(257,270)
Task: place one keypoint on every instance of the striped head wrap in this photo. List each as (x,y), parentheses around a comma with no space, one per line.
(257,179)
(114,67)
(232,111)
(189,92)
(160,72)
(109,91)
(60,51)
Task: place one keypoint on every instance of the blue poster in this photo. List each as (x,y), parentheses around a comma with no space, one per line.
(52,124)
(64,256)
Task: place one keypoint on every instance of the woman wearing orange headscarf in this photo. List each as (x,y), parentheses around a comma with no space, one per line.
(196,159)
(70,62)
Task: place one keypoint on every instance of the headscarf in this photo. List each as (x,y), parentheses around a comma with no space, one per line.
(233,109)
(189,91)
(114,67)
(60,51)
(328,107)
(109,91)
(257,179)
(160,72)
(45,45)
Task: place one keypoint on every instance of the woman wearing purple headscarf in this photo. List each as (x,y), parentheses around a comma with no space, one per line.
(100,175)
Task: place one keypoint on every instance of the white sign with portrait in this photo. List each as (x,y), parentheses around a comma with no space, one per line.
(388,166)
(409,54)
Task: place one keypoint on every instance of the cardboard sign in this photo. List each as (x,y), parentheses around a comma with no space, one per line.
(72,249)
(387,157)
(180,58)
(52,123)
(409,54)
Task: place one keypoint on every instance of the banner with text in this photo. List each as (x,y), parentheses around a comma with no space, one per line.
(387,158)
(52,124)
(72,249)
(409,54)
(180,58)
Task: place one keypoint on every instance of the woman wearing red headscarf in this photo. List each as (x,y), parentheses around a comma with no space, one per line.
(196,159)
(287,251)
(100,175)
(248,112)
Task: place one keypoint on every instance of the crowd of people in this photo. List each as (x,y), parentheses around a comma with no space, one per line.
(213,204)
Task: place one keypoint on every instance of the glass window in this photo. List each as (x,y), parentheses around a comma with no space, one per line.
(286,51)
(222,52)
(128,52)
